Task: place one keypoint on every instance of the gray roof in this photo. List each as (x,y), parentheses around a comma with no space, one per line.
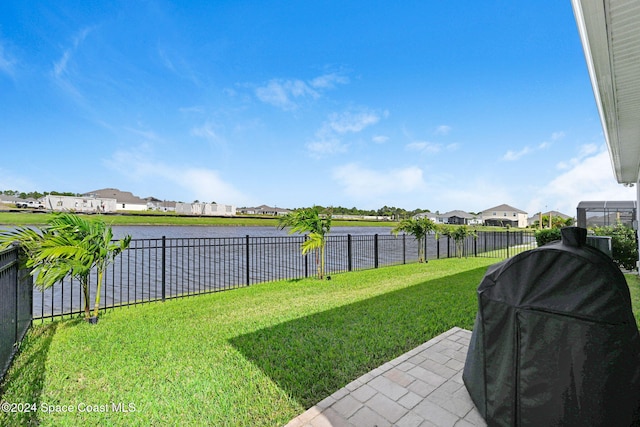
(457,213)
(504,207)
(615,204)
(120,196)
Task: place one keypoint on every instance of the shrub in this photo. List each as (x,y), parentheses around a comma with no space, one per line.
(623,244)
(547,235)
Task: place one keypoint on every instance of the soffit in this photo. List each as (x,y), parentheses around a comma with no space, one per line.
(610,33)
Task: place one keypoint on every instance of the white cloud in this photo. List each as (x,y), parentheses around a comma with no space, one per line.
(327,139)
(208,132)
(512,155)
(7,63)
(326,146)
(352,122)
(362,183)
(146,134)
(589,178)
(515,155)
(192,110)
(61,67)
(286,94)
(328,81)
(424,147)
(283,93)
(585,151)
(187,182)
(443,130)
(16,180)
(471,194)
(380,139)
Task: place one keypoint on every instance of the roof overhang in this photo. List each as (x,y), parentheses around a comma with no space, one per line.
(610,33)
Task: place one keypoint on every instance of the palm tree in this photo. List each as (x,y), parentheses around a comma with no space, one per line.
(459,233)
(70,245)
(418,228)
(309,220)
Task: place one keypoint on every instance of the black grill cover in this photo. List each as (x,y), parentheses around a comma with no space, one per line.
(555,342)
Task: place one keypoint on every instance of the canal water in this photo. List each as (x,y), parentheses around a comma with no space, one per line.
(194,259)
(194,231)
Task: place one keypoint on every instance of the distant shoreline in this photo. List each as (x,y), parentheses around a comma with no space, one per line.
(15,217)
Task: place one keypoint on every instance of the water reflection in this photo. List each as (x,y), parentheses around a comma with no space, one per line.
(177,231)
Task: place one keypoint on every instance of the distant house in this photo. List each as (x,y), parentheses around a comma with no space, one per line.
(9,200)
(461,218)
(263,210)
(87,204)
(504,215)
(126,201)
(437,218)
(531,221)
(207,209)
(456,217)
(160,205)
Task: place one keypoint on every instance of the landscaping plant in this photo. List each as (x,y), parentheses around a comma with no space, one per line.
(418,228)
(69,245)
(458,233)
(547,235)
(623,244)
(309,220)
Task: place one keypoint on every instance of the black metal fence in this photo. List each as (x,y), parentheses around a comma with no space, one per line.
(164,268)
(16,294)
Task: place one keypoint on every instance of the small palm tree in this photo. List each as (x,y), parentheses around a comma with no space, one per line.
(70,245)
(418,228)
(459,233)
(309,220)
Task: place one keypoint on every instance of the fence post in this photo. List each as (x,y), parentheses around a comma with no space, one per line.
(404,248)
(426,255)
(375,251)
(164,268)
(438,248)
(448,246)
(306,261)
(475,246)
(247,252)
(507,243)
(349,254)
(16,338)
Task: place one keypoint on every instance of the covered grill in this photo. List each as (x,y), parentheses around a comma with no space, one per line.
(555,342)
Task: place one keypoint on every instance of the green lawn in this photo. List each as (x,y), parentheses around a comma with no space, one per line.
(249,357)
(254,356)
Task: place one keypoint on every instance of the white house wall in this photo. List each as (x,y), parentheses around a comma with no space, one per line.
(131,207)
(207,209)
(521,218)
(79,204)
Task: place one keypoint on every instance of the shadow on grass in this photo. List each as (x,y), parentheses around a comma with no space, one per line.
(25,380)
(313,356)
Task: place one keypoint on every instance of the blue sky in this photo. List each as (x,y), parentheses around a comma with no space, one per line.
(438,105)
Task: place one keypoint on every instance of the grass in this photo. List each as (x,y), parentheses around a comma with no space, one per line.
(634,288)
(254,356)
(30,218)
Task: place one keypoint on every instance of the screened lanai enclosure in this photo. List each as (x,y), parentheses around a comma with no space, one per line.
(606,213)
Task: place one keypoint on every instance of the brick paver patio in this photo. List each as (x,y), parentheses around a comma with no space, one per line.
(420,388)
